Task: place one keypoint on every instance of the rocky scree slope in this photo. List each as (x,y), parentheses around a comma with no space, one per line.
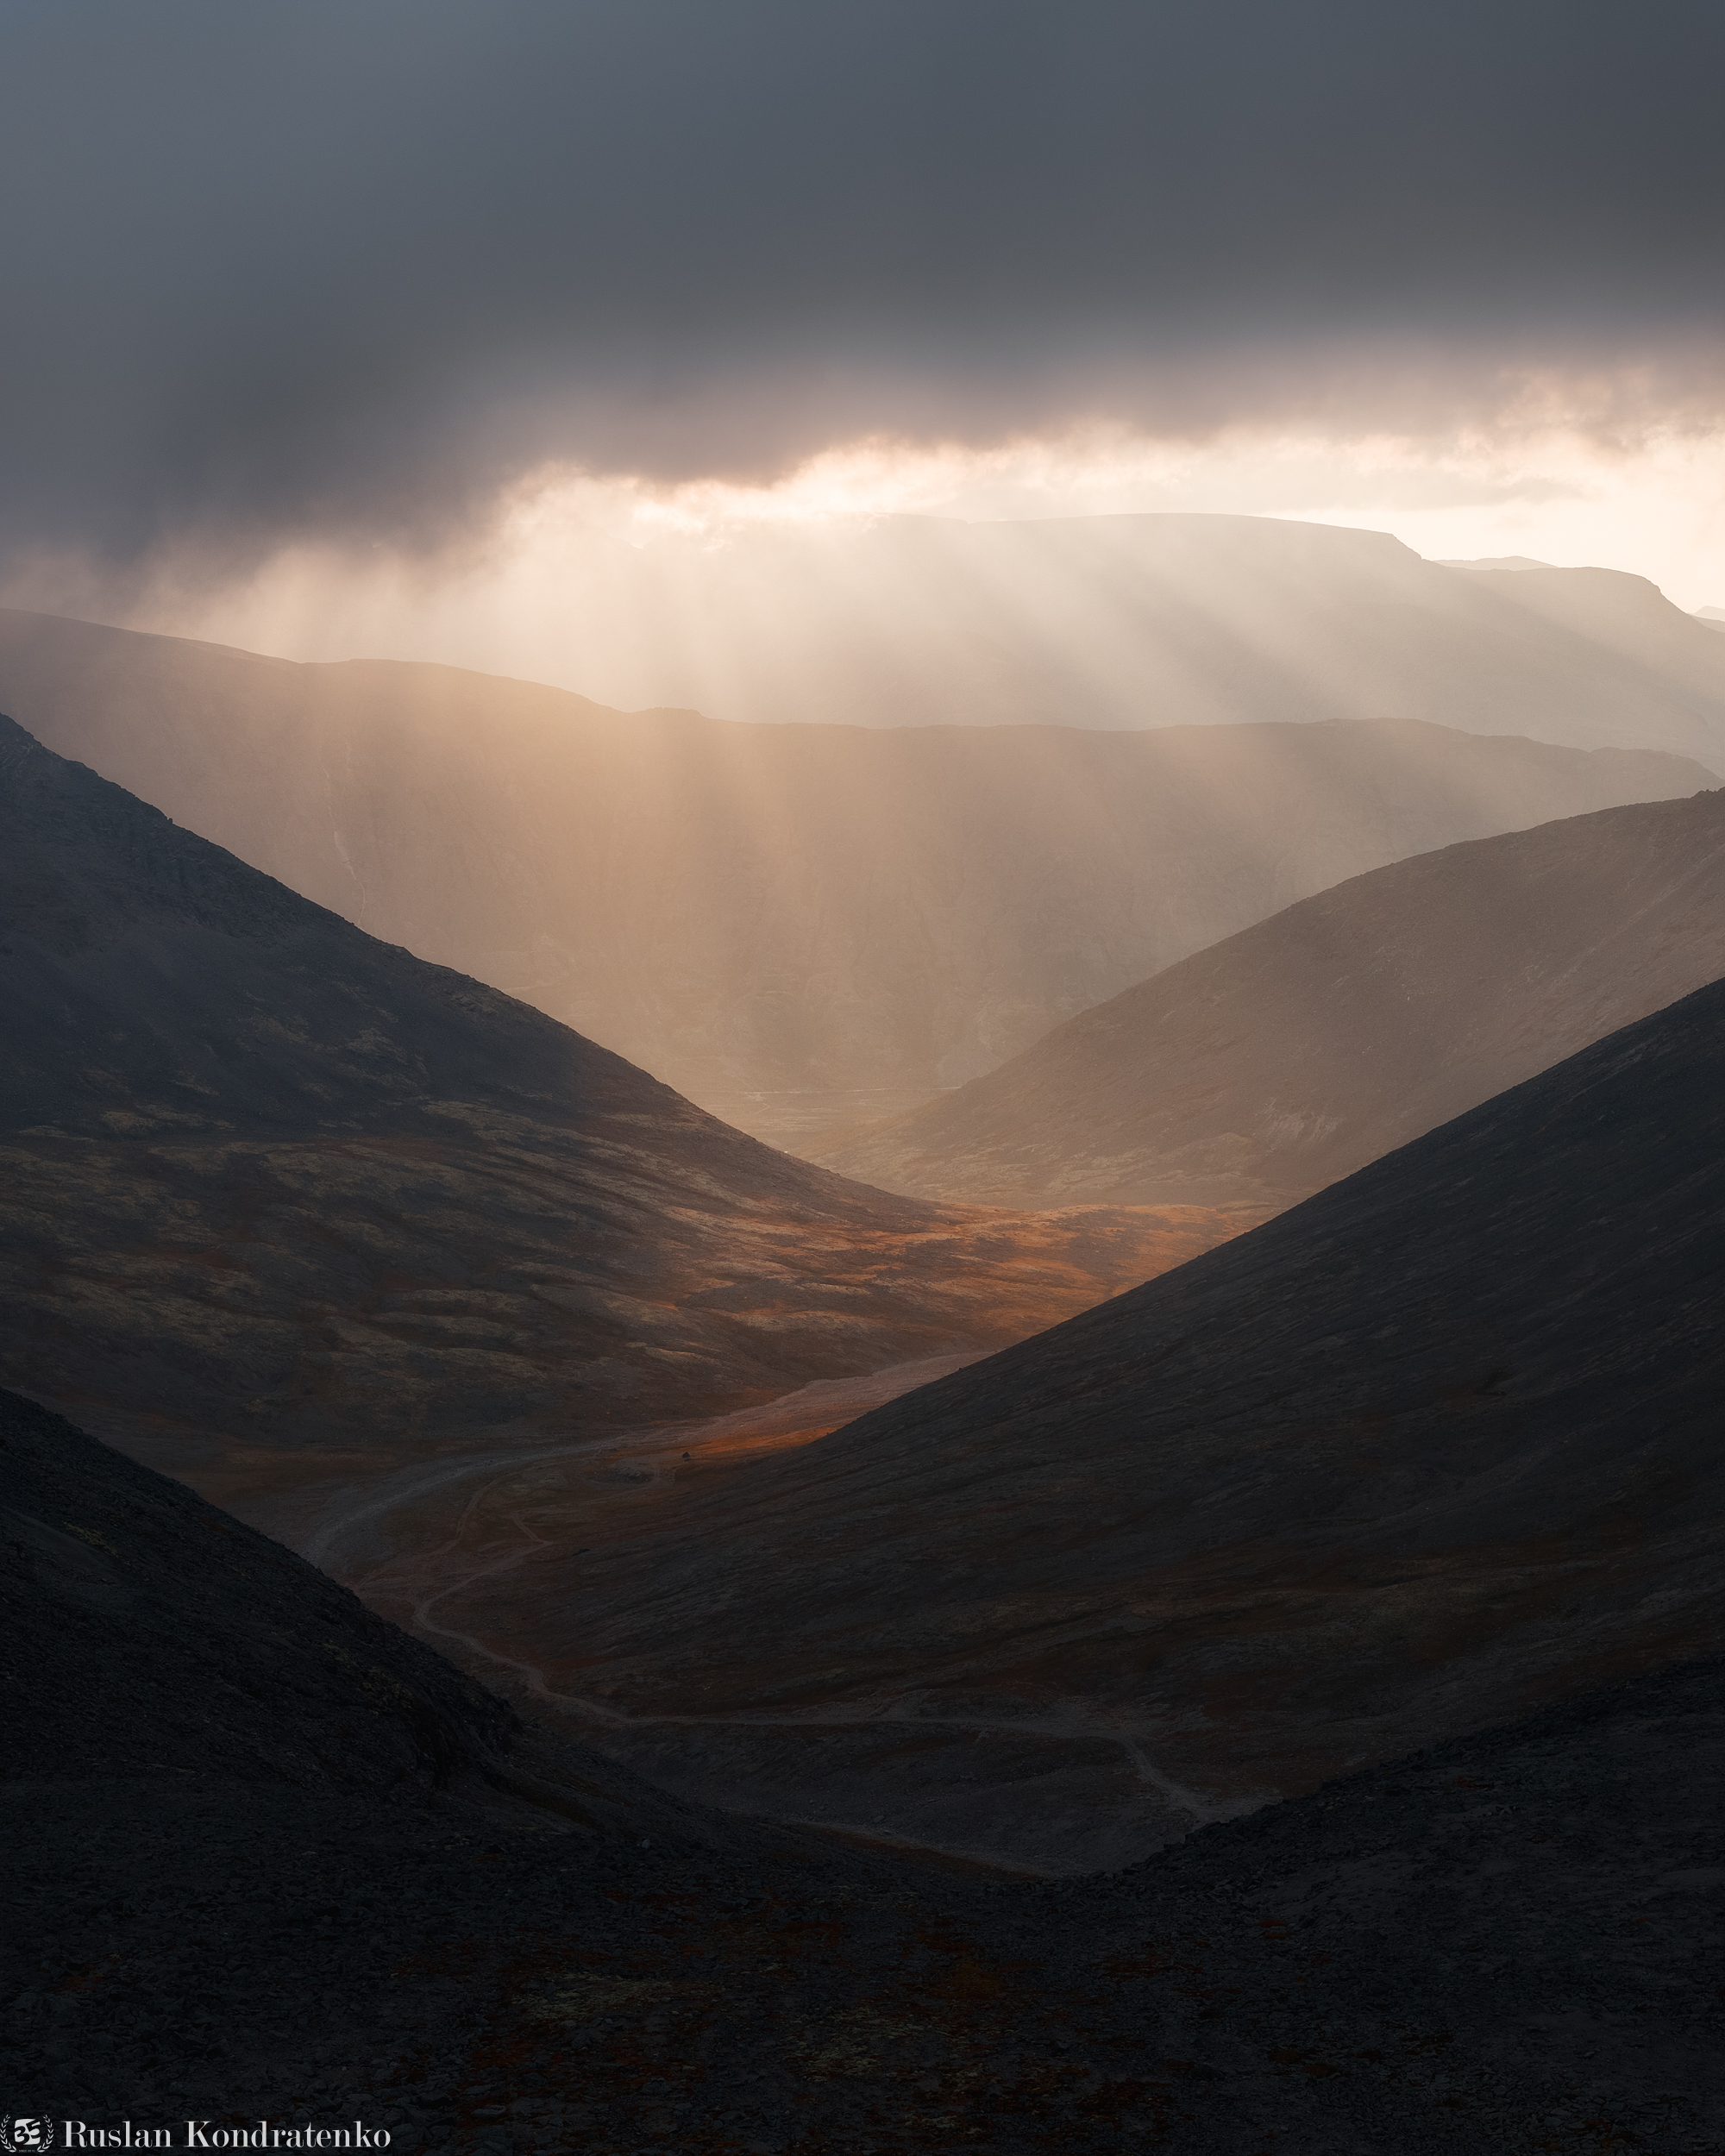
(1435,1445)
(320,1904)
(795,925)
(150,1636)
(1275,1062)
(281,1202)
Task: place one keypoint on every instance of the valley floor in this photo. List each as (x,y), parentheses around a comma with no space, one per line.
(450,1550)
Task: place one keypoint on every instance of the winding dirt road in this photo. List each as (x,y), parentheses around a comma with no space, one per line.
(431,1557)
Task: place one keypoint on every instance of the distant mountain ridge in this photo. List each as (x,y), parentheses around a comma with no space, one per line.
(1134,621)
(1290,1055)
(793,926)
(1158,620)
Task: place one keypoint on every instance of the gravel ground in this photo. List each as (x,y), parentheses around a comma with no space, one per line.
(1510,1944)
(267,1858)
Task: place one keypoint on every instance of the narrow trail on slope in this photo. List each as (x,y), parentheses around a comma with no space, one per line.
(652,1449)
(828,1400)
(412,1484)
(532,1677)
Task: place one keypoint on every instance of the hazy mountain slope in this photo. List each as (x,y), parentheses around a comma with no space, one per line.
(1626,620)
(280,1201)
(1435,1445)
(1295,1052)
(792,924)
(1134,621)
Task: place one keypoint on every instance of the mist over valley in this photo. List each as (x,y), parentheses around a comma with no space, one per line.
(795,926)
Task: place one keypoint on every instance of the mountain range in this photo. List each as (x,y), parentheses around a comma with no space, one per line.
(1350,1579)
(795,926)
(1129,621)
(282,1203)
(1284,1057)
(1430,1448)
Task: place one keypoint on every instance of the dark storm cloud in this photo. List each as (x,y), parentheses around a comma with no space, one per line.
(304,265)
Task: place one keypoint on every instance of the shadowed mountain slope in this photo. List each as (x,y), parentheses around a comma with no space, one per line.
(148,1634)
(281,1201)
(267,1858)
(1435,1446)
(1273,1063)
(795,925)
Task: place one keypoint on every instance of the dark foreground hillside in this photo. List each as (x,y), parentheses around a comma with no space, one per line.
(267,1859)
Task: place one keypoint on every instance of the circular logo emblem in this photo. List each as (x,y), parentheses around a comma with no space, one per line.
(25,2137)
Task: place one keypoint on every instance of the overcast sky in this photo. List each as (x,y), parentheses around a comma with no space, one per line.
(348,268)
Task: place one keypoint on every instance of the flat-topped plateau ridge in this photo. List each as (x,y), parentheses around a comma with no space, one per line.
(285,1203)
(1156,620)
(1278,1060)
(795,926)
(1436,1445)
(1129,621)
